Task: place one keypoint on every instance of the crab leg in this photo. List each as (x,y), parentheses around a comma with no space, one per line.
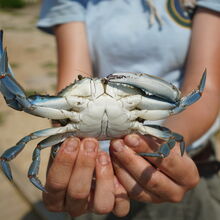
(52,107)
(54,150)
(165,108)
(12,152)
(54,102)
(15,97)
(12,91)
(163,133)
(2,51)
(159,87)
(148,83)
(34,167)
(8,83)
(51,113)
(152,115)
(58,102)
(146,102)
(192,97)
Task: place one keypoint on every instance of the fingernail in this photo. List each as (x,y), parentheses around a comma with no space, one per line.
(103,159)
(71,145)
(118,146)
(89,146)
(133,141)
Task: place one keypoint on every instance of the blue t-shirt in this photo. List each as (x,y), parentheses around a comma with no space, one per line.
(122,40)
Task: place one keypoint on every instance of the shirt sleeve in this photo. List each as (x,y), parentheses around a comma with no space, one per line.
(54,12)
(209,4)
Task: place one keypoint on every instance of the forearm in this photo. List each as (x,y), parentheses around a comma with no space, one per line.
(204,52)
(73,53)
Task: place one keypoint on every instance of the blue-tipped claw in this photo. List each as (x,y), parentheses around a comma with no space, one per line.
(36,182)
(192,98)
(196,95)
(6,169)
(202,81)
(179,138)
(165,148)
(182,147)
(1,42)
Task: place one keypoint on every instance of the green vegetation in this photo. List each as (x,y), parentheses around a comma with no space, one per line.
(49,65)
(30,92)
(14,65)
(12,3)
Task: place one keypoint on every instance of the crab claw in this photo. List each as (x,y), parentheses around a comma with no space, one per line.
(10,89)
(36,182)
(9,70)
(165,148)
(6,169)
(147,83)
(192,97)
(13,93)
(179,138)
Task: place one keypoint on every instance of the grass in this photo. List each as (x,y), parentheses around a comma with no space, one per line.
(217,134)
(11,11)
(12,4)
(15,65)
(49,65)
(29,92)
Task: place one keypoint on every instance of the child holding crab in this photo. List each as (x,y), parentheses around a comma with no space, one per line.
(181,39)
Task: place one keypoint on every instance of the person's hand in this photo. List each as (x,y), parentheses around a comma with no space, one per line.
(72,186)
(150,179)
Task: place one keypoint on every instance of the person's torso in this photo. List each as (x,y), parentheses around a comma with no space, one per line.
(121,38)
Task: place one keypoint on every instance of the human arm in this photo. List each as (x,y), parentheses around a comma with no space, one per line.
(204,53)
(148,183)
(73,53)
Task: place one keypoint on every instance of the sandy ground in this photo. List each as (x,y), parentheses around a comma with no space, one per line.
(33,59)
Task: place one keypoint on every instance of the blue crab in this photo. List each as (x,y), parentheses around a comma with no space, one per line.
(106,108)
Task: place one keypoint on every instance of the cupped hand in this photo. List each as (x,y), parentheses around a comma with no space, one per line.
(150,179)
(72,186)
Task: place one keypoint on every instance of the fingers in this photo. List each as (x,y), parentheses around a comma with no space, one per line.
(146,176)
(78,192)
(59,175)
(104,197)
(175,166)
(134,189)
(109,195)
(70,180)
(122,202)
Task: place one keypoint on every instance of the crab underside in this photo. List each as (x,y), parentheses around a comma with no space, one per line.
(107,108)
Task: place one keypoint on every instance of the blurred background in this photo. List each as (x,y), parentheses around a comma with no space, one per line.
(32,55)
(33,59)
